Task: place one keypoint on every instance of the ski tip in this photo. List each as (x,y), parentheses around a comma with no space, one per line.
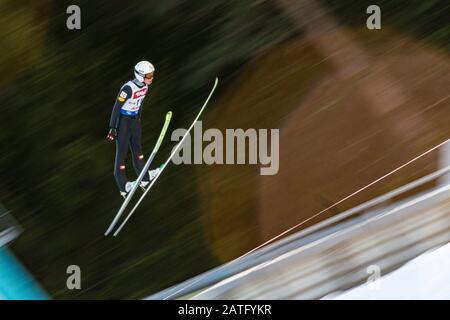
(169,115)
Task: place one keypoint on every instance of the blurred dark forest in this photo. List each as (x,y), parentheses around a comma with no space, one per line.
(57,89)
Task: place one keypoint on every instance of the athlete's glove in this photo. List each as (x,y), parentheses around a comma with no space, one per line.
(112,134)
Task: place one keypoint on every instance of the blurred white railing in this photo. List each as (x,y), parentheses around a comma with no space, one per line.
(333,255)
(381,239)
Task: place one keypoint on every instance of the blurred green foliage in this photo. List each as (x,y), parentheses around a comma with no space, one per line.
(57,90)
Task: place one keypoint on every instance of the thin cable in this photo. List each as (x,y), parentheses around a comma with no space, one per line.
(347,197)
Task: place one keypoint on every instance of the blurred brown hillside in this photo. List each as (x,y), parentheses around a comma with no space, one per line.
(331,142)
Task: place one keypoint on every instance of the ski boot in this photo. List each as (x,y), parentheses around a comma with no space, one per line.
(152,174)
(128,187)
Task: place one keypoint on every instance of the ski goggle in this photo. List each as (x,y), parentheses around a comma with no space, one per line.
(145,76)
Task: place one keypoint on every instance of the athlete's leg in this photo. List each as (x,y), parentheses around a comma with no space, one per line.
(136,149)
(123,138)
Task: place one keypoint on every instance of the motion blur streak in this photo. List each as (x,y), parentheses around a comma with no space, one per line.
(349,104)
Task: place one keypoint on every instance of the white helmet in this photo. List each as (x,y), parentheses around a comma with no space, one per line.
(142,68)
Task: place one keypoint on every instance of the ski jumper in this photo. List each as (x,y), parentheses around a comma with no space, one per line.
(126,119)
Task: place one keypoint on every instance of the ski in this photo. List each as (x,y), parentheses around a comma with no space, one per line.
(141,175)
(174,151)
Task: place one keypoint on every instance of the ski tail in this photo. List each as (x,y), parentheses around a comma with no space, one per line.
(174,151)
(142,174)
